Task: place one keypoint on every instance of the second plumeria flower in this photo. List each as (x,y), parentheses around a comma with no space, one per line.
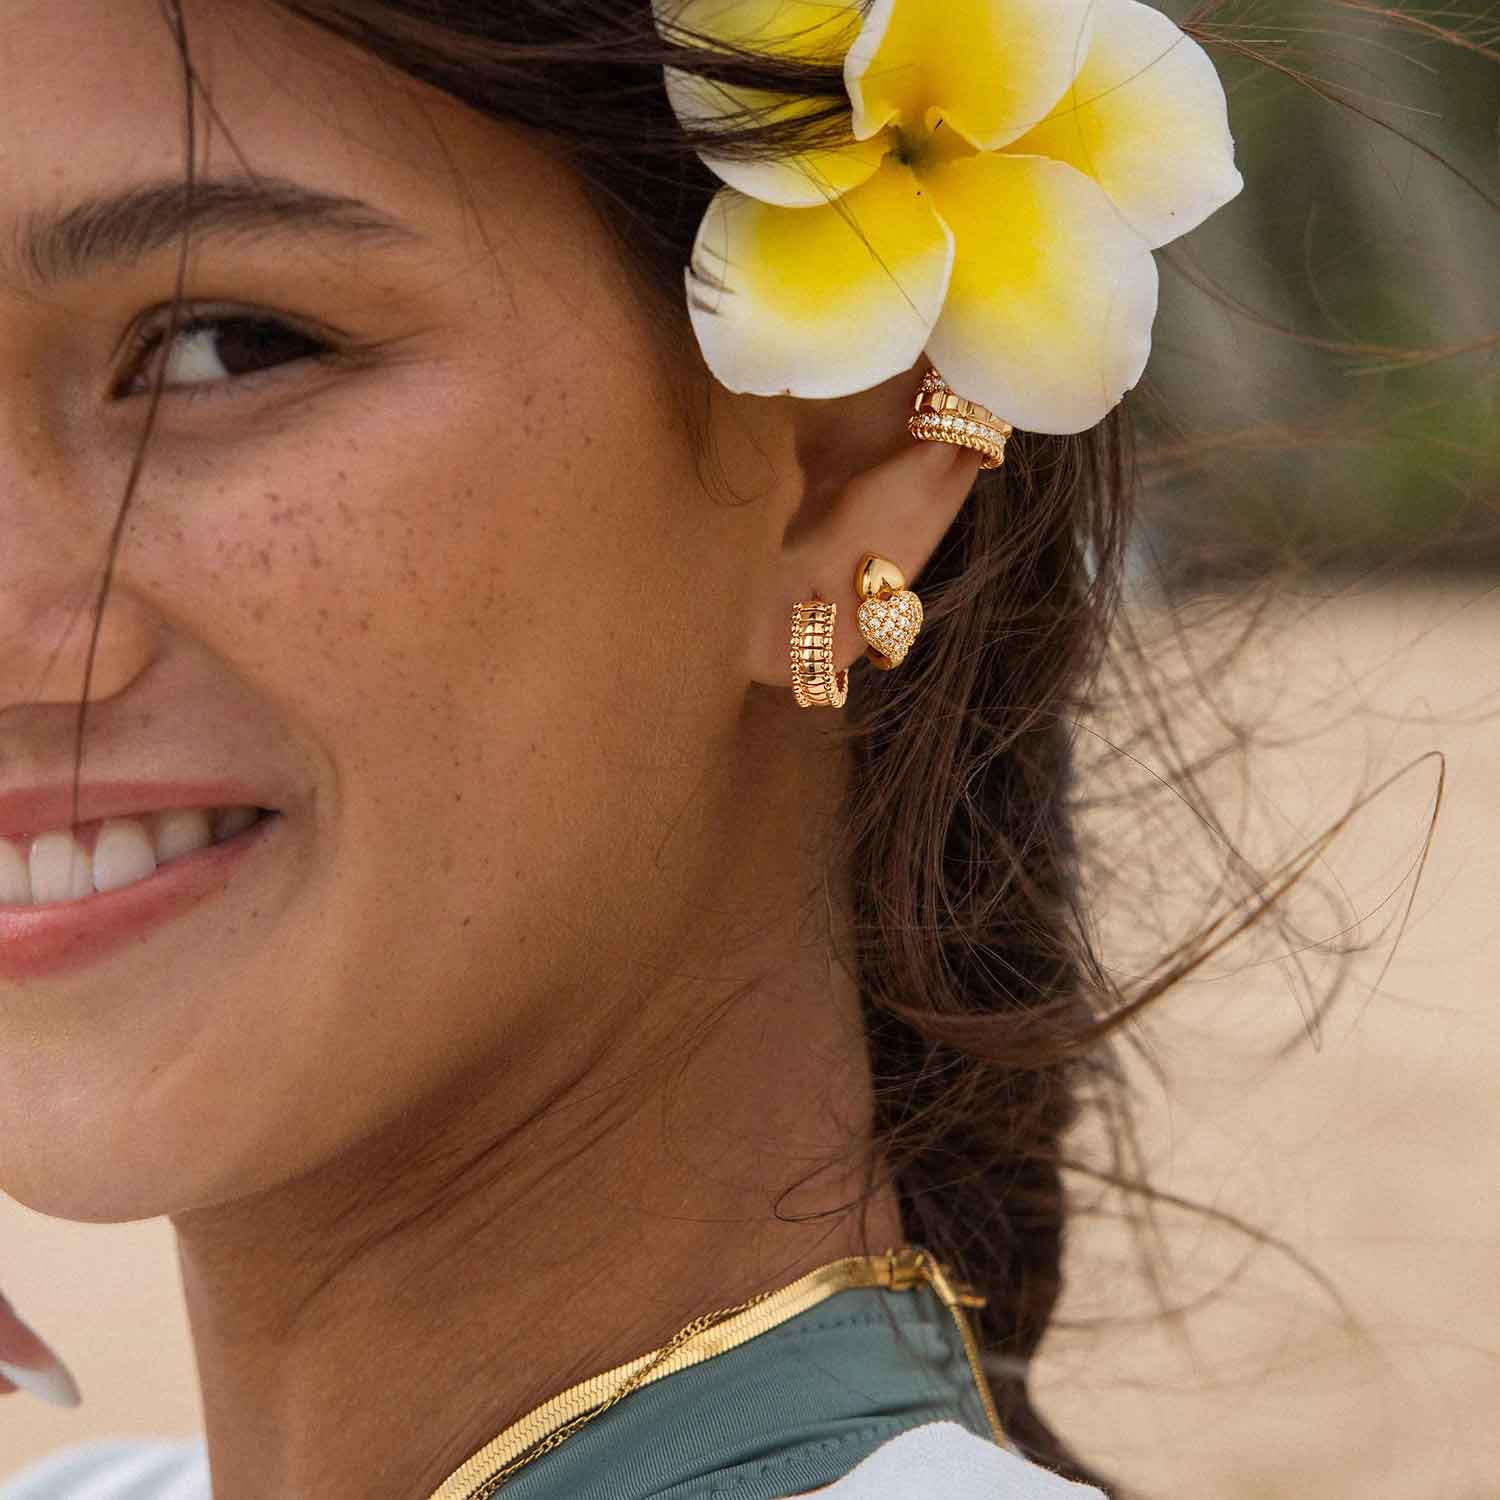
(1008,168)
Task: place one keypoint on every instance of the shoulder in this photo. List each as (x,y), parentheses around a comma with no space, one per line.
(113,1469)
(945,1461)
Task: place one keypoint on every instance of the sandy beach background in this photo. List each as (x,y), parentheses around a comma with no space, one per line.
(1371,1150)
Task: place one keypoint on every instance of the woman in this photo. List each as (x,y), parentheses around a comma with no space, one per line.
(456,924)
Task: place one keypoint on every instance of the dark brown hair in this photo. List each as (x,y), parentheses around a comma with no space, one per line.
(987,1013)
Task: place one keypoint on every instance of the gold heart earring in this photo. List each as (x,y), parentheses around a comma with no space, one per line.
(891,615)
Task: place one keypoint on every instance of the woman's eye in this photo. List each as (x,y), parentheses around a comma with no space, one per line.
(212,350)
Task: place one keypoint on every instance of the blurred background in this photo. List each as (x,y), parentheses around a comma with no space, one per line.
(1306,684)
(1322,386)
(1306,681)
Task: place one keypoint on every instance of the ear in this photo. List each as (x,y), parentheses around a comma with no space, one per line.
(866,485)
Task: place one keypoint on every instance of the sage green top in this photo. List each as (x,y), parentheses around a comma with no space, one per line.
(791,1409)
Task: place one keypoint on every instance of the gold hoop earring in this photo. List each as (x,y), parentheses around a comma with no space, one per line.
(815,684)
(941,415)
(890,615)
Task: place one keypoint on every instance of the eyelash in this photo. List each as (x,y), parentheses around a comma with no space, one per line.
(150,339)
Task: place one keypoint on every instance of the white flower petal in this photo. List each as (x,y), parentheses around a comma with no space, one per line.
(990,68)
(1050,305)
(793,302)
(807,30)
(794,181)
(1147,119)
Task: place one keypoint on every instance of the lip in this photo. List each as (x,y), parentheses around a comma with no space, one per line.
(70,935)
(41,809)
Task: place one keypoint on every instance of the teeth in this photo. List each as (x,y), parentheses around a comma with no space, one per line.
(126,850)
(60,870)
(15,878)
(123,854)
(229,821)
(180,831)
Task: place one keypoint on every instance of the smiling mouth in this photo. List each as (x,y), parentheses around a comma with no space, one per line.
(109,854)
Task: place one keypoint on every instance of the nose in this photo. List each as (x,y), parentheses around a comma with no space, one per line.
(44,641)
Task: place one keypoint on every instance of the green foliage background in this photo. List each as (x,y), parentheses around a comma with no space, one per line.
(1323,386)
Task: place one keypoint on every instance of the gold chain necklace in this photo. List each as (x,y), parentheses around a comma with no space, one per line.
(556,1420)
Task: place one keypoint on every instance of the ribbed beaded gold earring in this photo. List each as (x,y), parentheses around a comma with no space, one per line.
(815,684)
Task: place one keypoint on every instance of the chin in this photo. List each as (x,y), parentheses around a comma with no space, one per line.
(80,1198)
(96,1157)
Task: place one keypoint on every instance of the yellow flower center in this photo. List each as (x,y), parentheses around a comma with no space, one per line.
(922,149)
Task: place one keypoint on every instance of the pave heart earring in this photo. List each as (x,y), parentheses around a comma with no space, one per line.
(891,615)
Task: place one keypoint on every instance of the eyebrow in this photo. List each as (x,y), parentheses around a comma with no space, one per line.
(121,228)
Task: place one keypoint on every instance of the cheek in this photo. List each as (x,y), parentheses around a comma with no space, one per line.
(504,635)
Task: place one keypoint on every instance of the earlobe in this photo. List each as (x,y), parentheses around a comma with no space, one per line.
(894,513)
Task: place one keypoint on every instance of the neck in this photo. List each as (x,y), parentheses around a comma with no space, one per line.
(372,1324)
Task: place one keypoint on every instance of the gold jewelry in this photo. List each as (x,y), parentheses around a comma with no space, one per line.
(940,415)
(554,1421)
(890,615)
(814,681)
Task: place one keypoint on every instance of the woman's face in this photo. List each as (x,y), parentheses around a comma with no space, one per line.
(450,598)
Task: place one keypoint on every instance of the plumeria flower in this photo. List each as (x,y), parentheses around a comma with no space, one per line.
(1009,167)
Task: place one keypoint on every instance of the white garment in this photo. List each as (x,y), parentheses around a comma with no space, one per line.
(116,1469)
(936,1461)
(943,1461)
